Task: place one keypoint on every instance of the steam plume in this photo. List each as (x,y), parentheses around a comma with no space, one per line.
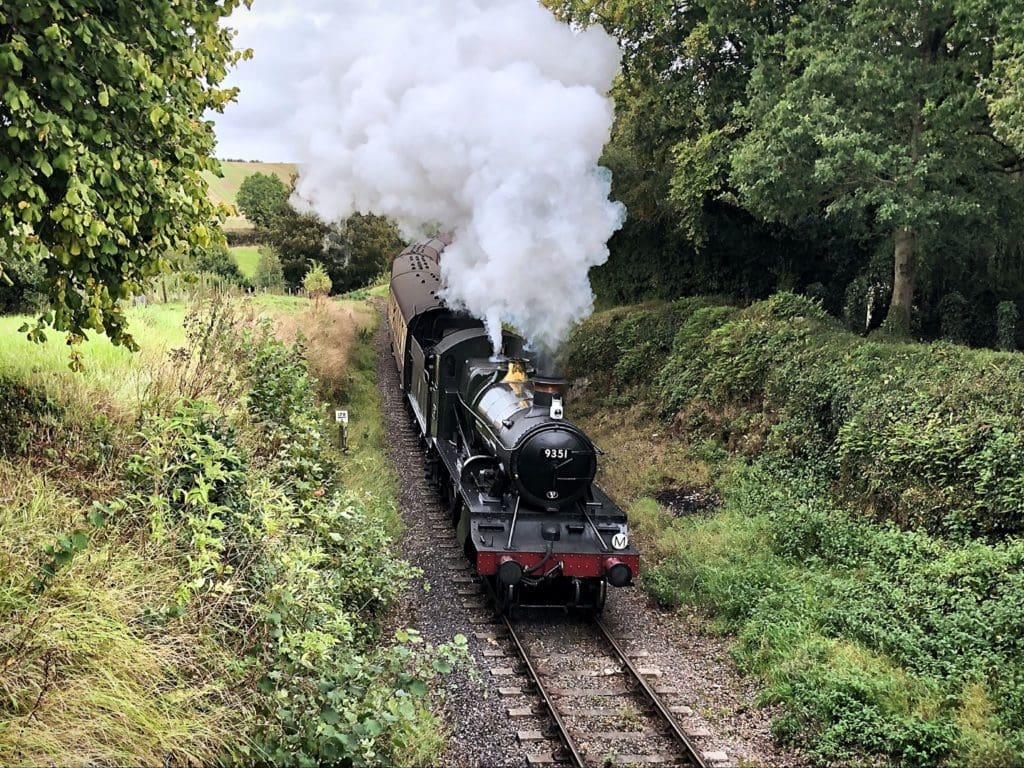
(484,118)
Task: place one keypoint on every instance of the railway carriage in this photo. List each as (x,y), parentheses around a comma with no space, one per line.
(517,476)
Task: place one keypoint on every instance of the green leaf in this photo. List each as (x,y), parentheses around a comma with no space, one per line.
(59,65)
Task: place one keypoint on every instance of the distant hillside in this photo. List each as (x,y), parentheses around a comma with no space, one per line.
(225,189)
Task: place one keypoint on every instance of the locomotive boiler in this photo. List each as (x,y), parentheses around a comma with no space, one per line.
(517,477)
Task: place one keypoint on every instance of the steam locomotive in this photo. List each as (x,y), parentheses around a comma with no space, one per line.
(517,478)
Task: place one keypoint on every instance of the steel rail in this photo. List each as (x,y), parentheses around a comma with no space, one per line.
(563,729)
(693,753)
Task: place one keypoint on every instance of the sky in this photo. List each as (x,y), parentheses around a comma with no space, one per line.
(283,35)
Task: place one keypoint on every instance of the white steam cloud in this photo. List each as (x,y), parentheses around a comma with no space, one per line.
(483,118)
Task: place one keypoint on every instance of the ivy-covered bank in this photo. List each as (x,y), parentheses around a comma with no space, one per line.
(867,552)
(197,587)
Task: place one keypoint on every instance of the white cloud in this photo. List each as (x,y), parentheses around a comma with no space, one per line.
(280,33)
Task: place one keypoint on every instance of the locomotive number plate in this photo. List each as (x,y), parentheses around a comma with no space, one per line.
(557,453)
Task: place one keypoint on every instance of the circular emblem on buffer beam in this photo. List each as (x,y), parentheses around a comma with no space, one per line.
(620,540)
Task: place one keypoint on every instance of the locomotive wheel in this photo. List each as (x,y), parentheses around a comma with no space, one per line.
(505,598)
(594,597)
(454,502)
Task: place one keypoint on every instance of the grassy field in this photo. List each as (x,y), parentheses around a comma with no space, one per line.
(113,375)
(247,257)
(224,190)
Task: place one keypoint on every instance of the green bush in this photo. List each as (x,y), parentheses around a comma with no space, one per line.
(870,557)
(1007,318)
(216,259)
(955,318)
(623,351)
(189,479)
(317,283)
(281,401)
(878,641)
(928,436)
(24,410)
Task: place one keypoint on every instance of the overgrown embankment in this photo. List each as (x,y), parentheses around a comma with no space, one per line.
(867,552)
(189,581)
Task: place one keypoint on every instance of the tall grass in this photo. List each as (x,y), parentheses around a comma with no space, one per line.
(113,375)
(83,681)
(114,378)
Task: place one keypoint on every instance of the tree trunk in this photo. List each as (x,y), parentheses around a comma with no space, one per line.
(904,282)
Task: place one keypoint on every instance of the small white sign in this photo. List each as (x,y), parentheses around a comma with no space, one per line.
(341,417)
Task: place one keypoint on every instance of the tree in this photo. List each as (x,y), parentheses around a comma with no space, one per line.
(103,142)
(360,249)
(216,259)
(1005,86)
(261,197)
(269,275)
(20,286)
(685,67)
(352,253)
(869,113)
(852,126)
(317,283)
(298,239)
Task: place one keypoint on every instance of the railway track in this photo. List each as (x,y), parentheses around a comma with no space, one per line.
(602,709)
(581,700)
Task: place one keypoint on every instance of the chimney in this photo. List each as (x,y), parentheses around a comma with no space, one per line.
(546,389)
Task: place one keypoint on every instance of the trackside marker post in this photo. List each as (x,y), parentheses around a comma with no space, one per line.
(341,418)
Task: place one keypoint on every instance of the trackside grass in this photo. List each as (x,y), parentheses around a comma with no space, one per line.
(867,551)
(191,574)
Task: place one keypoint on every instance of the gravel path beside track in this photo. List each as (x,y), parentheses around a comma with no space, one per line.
(692,669)
(483,735)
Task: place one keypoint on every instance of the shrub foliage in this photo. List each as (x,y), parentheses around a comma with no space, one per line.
(929,436)
(869,552)
(230,484)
